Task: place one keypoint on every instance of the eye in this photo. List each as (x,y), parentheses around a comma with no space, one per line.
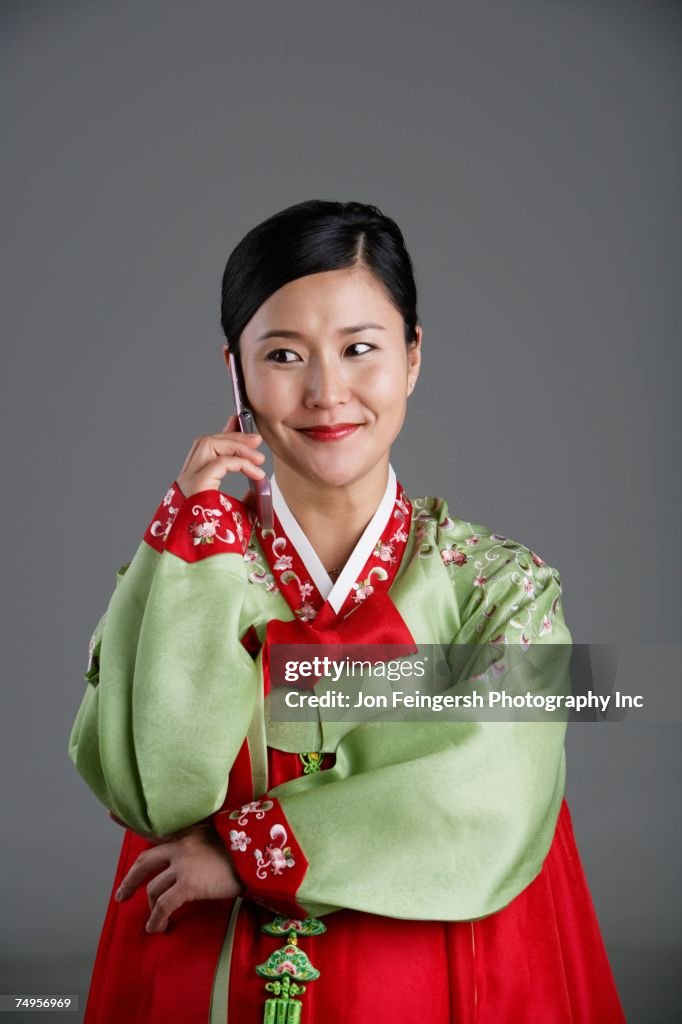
(270,357)
(365,343)
(276,353)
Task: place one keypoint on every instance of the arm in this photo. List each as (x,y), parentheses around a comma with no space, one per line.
(443,820)
(169,694)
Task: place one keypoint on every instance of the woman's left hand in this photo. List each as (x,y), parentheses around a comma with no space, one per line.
(194,865)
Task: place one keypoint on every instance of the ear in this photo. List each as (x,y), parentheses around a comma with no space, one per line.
(226,354)
(414,357)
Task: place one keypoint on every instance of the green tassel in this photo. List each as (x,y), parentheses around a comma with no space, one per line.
(287,966)
(285,1009)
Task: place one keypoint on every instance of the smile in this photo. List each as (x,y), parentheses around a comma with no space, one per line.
(331,434)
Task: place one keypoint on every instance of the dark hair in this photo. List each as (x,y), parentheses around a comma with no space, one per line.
(309,238)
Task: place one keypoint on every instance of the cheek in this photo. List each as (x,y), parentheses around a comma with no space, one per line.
(385,392)
(270,396)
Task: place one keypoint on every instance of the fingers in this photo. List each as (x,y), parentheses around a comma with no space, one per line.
(241,465)
(168,902)
(213,455)
(159,885)
(147,863)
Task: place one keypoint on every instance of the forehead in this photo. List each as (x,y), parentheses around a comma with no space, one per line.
(325,302)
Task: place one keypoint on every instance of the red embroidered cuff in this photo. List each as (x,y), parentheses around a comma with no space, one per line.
(265,854)
(156,533)
(209,523)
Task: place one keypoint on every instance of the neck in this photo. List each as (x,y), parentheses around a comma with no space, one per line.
(332,518)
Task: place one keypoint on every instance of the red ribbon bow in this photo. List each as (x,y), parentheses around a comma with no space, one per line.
(371,627)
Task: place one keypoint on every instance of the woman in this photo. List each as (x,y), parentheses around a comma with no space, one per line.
(317,867)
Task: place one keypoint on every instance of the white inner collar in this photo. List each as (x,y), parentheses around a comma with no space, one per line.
(335,593)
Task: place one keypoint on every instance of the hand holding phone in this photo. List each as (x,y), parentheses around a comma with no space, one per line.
(259,488)
(214,455)
(234,450)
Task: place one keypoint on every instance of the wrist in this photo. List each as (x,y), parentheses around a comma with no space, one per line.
(266,855)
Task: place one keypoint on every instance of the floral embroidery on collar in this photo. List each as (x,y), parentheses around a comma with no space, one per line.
(304,598)
(258,571)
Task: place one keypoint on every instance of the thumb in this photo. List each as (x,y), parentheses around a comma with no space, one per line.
(231,424)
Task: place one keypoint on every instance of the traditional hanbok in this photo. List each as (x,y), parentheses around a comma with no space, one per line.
(393,870)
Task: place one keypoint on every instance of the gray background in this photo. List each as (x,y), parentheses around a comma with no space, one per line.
(530,152)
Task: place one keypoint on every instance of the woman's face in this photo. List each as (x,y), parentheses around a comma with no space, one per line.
(312,371)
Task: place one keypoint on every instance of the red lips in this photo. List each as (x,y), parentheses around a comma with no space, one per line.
(330,432)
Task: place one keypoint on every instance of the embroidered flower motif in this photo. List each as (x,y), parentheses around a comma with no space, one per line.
(480,580)
(239,840)
(257,807)
(536,558)
(238,524)
(306,612)
(546,625)
(399,536)
(452,556)
(473,540)
(159,528)
(250,555)
(283,562)
(362,591)
(260,574)
(384,552)
(402,504)
(205,530)
(203,533)
(276,857)
(529,586)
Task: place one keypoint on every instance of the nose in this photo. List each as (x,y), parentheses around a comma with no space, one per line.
(325,385)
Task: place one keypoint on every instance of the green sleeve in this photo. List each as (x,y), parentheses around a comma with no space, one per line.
(171,690)
(444,820)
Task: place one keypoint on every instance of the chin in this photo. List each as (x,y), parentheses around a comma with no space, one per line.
(331,476)
(339,472)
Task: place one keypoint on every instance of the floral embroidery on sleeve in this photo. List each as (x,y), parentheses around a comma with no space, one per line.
(209,523)
(491,572)
(157,532)
(265,853)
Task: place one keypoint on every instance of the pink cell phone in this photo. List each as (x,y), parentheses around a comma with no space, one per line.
(259,488)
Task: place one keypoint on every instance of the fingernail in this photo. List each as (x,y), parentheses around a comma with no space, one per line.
(119,894)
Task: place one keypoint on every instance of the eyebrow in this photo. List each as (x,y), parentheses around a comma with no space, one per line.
(353,329)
